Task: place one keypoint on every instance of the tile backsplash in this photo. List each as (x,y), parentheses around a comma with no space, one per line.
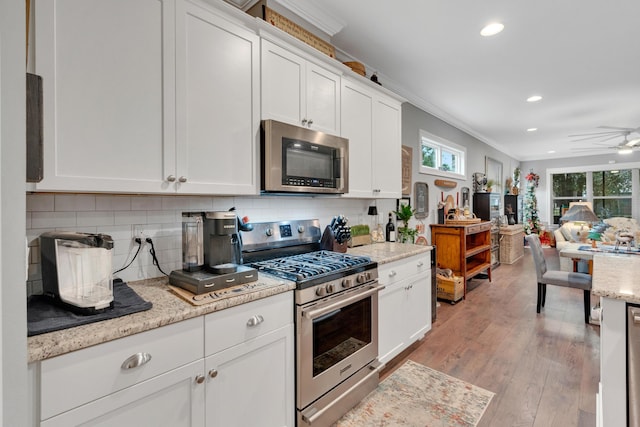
(160,218)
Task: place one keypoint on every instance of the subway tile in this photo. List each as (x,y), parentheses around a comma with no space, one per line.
(201,203)
(40,202)
(130,217)
(97,218)
(113,203)
(118,232)
(53,219)
(160,217)
(75,202)
(145,203)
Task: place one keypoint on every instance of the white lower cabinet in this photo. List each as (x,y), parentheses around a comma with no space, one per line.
(404,304)
(249,364)
(233,367)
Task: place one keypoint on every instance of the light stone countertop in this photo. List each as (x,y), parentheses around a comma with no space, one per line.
(616,276)
(169,308)
(383,253)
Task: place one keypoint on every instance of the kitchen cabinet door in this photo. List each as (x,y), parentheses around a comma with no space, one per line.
(357,126)
(299,92)
(404,305)
(106,69)
(252,384)
(386,148)
(173,399)
(217,92)
(371,122)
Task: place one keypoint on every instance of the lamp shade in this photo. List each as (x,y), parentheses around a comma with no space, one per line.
(373,210)
(579,213)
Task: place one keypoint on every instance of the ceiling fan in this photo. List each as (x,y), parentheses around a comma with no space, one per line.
(630,139)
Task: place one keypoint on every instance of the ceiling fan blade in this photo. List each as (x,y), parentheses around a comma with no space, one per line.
(609,132)
(618,128)
(586,138)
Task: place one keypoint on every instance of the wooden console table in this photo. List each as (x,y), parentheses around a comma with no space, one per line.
(465,249)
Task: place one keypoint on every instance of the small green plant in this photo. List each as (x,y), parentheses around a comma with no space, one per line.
(404,214)
(490,183)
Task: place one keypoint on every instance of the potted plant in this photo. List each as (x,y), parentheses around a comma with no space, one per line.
(404,214)
(516,182)
(490,184)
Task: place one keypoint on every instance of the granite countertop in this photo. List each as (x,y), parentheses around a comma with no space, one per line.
(616,276)
(169,308)
(383,253)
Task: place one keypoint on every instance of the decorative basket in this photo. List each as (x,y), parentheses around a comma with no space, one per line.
(356,66)
(462,221)
(450,289)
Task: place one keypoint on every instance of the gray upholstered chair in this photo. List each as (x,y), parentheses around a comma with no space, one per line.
(557,277)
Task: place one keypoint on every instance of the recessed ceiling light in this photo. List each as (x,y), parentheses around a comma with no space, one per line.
(532,129)
(492,29)
(551,151)
(534,98)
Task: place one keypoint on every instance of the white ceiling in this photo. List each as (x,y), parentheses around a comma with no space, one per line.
(582,56)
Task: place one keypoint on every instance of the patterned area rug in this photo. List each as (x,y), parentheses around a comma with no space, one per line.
(415,395)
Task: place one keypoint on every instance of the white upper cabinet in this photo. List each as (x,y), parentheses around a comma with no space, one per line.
(147,96)
(106,72)
(372,123)
(217,92)
(299,92)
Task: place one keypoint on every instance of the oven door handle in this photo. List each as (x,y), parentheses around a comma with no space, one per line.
(312,314)
(311,415)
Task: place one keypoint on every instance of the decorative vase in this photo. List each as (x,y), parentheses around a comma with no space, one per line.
(512,220)
(514,190)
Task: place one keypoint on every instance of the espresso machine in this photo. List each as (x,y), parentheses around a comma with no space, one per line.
(211,253)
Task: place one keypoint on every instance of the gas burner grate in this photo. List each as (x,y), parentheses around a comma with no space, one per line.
(313,264)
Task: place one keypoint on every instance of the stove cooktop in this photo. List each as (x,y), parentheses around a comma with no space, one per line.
(311,268)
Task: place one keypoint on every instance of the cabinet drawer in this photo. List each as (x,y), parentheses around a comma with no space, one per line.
(73,379)
(477,228)
(232,326)
(398,270)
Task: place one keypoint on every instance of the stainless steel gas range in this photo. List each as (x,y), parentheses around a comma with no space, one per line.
(336,316)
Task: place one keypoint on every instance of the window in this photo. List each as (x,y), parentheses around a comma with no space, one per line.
(609,191)
(612,195)
(441,157)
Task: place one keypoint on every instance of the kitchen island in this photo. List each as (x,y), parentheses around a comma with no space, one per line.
(615,280)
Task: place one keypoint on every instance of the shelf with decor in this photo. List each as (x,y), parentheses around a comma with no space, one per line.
(465,249)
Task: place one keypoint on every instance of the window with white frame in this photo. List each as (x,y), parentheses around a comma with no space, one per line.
(441,157)
(610,191)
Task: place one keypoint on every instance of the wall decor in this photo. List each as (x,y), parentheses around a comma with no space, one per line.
(446,183)
(493,172)
(421,199)
(407,159)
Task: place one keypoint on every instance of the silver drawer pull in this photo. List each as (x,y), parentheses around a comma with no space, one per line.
(213,373)
(392,273)
(420,264)
(255,320)
(230,280)
(136,360)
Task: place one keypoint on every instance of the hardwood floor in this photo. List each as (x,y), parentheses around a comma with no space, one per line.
(543,368)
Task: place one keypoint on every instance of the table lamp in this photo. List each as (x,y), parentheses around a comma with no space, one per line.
(580,213)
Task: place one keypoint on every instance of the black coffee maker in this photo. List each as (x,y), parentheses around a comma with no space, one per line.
(222,246)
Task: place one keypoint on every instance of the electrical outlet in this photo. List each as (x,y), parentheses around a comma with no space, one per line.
(139,232)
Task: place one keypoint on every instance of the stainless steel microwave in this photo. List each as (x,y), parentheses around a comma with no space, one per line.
(300,160)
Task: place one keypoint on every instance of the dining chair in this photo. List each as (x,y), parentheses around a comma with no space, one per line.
(557,277)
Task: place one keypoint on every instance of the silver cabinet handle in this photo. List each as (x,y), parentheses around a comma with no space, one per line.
(255,320)
(392,273)
(135,360)
(182,179)
(420,264)
(171,178)
(213,373)
(304,122)
(310,122)
(199,379)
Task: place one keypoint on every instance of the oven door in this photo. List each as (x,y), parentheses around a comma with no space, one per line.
(335,339)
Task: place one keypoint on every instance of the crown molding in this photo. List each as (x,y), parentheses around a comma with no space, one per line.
(314,15)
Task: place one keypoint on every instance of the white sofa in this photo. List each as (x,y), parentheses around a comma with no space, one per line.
(570,232)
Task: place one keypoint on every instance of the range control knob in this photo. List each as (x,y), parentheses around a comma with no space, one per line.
(330,288)
(360,278)
(347,283)
(301,229)
(269,231)
(321,291)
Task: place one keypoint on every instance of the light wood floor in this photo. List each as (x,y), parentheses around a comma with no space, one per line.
(543,368)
